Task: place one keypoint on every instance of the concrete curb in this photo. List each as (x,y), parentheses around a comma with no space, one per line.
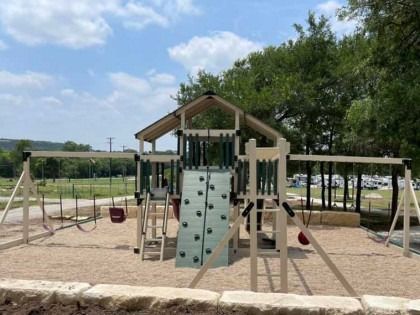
(167,300)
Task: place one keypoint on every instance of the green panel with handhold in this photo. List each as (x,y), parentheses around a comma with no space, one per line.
(201,228)
(189,249)
(217,218)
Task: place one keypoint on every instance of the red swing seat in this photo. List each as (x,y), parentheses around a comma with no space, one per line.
(117,214)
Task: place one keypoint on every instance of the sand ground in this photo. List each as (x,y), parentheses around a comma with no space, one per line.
(105,255)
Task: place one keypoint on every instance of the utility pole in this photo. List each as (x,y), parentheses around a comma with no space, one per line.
(125,167)
(110,164)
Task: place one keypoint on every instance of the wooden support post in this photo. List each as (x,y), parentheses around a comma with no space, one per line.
(252,144)
(406,238)
(394,222)
(25,213)
(416,203)
(12,197)
(281,217)
(340,277)
(140,183)
(236,210)
(155,174)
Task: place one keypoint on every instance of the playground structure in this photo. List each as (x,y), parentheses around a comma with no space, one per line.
(257,174)
(250,173)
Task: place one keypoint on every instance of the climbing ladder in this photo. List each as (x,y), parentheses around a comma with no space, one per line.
(204,217)
(149,222)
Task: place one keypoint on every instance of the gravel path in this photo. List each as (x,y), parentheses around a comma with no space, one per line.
(105,256)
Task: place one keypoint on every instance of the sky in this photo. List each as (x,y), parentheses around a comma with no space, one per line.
(85,70)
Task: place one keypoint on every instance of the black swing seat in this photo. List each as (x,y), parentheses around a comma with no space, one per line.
(117,214)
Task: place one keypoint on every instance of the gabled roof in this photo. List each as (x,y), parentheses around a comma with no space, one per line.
(209,99)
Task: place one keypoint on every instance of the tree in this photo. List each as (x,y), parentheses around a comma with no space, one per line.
(393,31)
(17,153)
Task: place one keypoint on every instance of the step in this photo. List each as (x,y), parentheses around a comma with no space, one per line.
(155,226)
(153,240)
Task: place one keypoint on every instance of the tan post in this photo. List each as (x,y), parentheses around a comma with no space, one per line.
(154,185)
(139,207)
(252,145)
(281,217)
(407,184)
(25,214)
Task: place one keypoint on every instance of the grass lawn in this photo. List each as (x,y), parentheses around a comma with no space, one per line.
(84,188)
(383,203)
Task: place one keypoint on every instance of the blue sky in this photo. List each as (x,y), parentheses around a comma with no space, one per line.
(85,70)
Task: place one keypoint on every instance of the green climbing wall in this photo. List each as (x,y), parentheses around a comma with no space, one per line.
(204,217)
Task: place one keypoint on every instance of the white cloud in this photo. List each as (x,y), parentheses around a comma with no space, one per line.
(64,113)
(330,9)
(163,78)
(212,53)
(3,45)
(51,101)
(127,82)
(81,23)
(33,80)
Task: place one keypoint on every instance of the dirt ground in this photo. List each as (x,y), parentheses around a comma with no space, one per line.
(34,308)
(106,256)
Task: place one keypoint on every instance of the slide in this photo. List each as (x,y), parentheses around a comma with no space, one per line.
(204,217)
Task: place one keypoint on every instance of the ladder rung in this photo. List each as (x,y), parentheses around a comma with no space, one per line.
(271,275)
(155,214)
(152,253)
(270,232)
(153,240)
(155,226)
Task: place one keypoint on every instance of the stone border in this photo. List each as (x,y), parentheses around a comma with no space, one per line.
(166,300)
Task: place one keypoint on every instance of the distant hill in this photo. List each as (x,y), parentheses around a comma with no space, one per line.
(9,145)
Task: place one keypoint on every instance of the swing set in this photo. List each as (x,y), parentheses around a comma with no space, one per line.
(29,188)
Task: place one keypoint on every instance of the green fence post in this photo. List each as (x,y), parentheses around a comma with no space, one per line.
(190,151)
(197,151)
(269,176)
(172,178)
(177,176)
(239,176)
(263,175)
(221,155)
(276,165)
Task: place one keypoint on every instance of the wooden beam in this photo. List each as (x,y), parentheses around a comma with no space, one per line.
(159,158)
(11,244)
(267,153)
(86,155)
(344,159)
(213,132)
